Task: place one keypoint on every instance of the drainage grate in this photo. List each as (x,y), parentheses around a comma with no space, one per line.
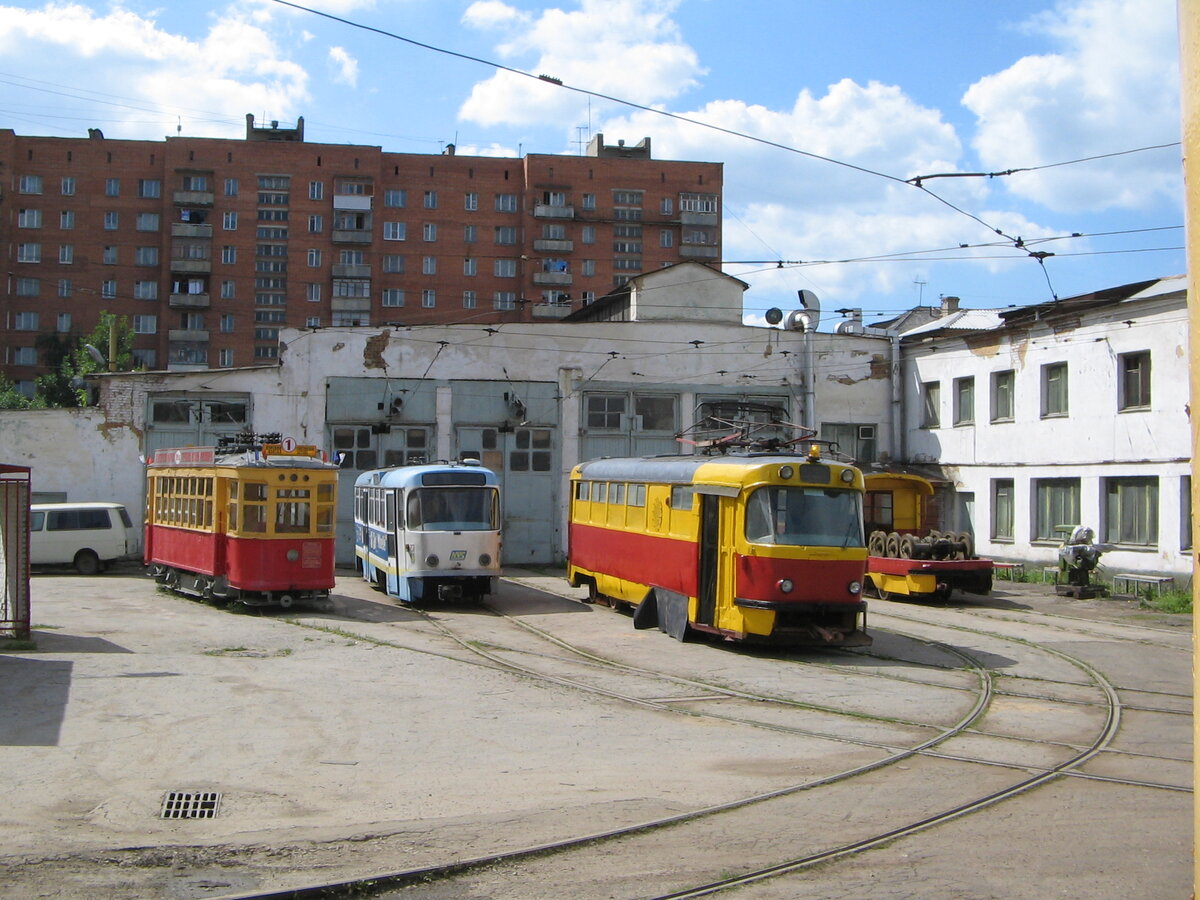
(190,805)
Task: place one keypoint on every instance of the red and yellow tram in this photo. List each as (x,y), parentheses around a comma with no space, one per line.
(755,547)
(251,520)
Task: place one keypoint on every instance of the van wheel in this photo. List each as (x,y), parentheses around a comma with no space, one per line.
(87,563)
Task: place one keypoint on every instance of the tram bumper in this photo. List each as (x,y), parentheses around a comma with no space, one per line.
(820,624)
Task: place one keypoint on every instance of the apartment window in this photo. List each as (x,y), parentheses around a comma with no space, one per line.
(395,198)
(506,234)
(469,266)
(64,287)
(228,289)
(66,219)
(931,396)
(666,206)
(351,288)
(1131,511)
(964,401)
(587,267)
(64,323)
(31,184)
(701,203)
(272,352)
(108,289)
(1056,506)
(149,221)
(588,201)
(506,203)
(1054,389)
(1003,395)
(312,322)
(1134,389)
(24,356)
(504,300)
(851,438)
(393,231)
(270,315)
(430,200)
(351,257)
(313,293)
(666,238)
(68,186)
(505,268)
(469,234)
(112,187)
(145,256)
(316,190)
(29,218)
(316,224)
(428,265)
(393,264)
(149,188)
(587,234)
(429,231)
(633,264)
(225,358)
(393,297)
(470,301)
(195,182)
(429,298)
(29,253)
(471,201)
(145,324)
(231,187)
(229,221)
(554,232)
(109,255)
(229,254)
(25,321)
(226,323)
(112,220)
(266,334)
(145,290)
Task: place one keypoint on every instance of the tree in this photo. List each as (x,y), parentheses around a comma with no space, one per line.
(70,361)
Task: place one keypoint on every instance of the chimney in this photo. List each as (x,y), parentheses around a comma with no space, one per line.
(949,305)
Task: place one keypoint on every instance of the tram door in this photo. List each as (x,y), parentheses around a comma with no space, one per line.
(709,555)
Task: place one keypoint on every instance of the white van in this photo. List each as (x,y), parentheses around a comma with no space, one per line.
(87,536)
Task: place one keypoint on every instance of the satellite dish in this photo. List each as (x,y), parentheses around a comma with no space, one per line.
(774,316)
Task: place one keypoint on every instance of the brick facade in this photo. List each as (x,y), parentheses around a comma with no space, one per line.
(209,246)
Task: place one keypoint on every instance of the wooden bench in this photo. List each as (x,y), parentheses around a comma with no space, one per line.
(1132,583)
(1009,570)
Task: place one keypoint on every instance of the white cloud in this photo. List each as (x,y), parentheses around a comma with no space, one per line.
(626,48)
(345,66)
(1114,85)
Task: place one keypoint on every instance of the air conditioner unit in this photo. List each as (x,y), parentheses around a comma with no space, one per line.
(866,432)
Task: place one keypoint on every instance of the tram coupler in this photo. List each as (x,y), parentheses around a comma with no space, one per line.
(450,592)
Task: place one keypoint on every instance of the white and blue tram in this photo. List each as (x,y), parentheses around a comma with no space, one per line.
(429,532)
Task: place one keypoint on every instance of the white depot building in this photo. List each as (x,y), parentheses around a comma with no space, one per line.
(1025,419)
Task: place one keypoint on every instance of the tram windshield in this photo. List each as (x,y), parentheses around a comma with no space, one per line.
(816,517)
(453,509)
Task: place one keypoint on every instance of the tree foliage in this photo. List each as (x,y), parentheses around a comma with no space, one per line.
(70,361)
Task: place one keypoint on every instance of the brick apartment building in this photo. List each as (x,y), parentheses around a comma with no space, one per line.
(210,246)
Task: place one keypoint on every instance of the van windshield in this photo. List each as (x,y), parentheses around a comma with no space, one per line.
(816,517)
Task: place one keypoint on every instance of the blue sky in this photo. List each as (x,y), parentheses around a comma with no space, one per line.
(826,109)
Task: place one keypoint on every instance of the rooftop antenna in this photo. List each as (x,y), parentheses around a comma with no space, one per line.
(920,289)
(179,125)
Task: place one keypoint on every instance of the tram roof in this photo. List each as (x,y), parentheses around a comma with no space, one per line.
(415,476)
(683,469)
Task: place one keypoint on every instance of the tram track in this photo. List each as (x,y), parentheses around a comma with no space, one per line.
(408,883)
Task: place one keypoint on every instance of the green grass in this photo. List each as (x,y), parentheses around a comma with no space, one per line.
(1169,602)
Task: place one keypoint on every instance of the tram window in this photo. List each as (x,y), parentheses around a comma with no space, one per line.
(600,491)
(324,493)
(254,490)
(325,518)
(617,494)
(233,517)
(452,509)
(292,517)
(801,516)
(254,518)
(682,497)
(637,495)
(582,491)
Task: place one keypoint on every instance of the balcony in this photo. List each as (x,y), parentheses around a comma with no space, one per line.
(351,201)
(350,304)
(699,251)
(349,271)
(191,266)
(686,217)
(188,336)
(551,310)
(555,279)
(189,301)
(193,198)
(189,229)
(357,236)
(546,211)
(553,245)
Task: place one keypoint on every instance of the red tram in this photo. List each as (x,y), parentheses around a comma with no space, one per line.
(756,547)
(250,520)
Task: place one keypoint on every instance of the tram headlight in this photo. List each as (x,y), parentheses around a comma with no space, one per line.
(432,560)
(785,472)
(485,559)
(854,587)
(847,475)
(293,555)
(785,585)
